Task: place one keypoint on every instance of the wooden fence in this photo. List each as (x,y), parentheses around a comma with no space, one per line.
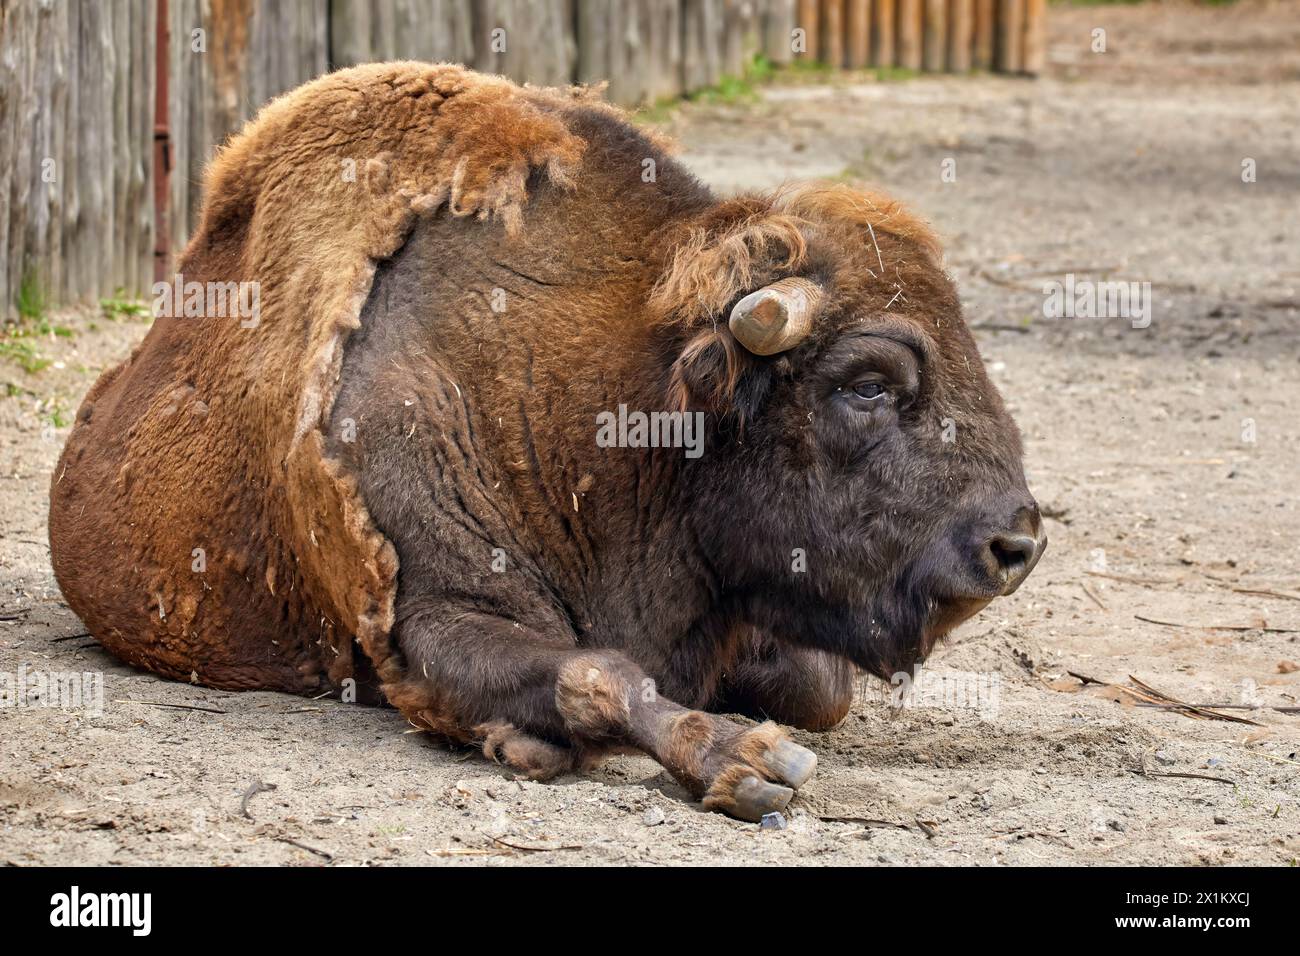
(85,209)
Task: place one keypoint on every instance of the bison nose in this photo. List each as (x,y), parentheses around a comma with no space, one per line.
(1014,553)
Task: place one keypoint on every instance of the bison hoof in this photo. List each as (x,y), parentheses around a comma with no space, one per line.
(764,771)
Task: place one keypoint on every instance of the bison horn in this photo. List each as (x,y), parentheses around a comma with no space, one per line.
(776,317)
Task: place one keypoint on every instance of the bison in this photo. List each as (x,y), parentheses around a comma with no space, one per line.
(541,442)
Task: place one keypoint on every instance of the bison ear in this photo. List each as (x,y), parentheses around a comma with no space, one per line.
(715,374)
(718,370)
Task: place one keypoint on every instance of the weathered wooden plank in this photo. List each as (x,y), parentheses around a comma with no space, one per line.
(982,42)
(664,49)
(17,102)
(1009,37)
(909,53)
(961,26)
(1034,50)
(701,43)
(778,27)
(857,29)
(831,33)
(140,202)
(615,47)
(95,154)
(71,288)
(935,36)
(741,37)
(119,15)
(41,242)
(885,47)
(350,32)
(808,19)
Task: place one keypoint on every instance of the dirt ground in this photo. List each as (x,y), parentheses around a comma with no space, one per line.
(1167,457)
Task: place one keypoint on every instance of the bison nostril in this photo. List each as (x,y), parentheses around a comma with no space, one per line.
(1014,556)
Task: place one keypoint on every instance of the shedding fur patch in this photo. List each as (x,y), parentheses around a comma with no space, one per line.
(751,241)
(717,262)
(687,743)
(594,701)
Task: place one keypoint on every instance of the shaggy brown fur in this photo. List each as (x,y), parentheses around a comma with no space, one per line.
(295,570)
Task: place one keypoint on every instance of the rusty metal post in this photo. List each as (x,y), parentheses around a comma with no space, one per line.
(162,148)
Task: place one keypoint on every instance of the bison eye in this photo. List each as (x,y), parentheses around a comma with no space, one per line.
(869,391)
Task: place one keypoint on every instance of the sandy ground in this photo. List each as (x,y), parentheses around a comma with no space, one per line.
(1124,165)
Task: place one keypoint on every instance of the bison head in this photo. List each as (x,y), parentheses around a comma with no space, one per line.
(874,495)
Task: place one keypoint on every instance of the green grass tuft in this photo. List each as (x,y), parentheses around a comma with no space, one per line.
(23,352)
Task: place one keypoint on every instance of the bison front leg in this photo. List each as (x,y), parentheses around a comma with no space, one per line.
(540,708)
(742,771)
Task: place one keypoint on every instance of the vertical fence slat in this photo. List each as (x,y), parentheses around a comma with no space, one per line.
(886,43)
(741,37)
(831,33)
(701,43)
(808,19)
(934,43)
(961,26)
(983,44)
(857,28)
(144,42)
(1008,36)
(9,60)
(909,53)
(119,85)
(779,21)
(1034,55)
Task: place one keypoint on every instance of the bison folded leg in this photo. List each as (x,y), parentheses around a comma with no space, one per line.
(543,709)
(535,758)
(801,686)
(742,771)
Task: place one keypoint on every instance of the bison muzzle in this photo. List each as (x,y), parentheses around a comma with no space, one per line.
(392,481)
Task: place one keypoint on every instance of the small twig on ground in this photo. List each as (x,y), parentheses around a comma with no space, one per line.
(536,849)
(1268,592)
(253,790)
(1095,598)
(67,637)
(1147,694)
(1001,327)
(1144,772)
(1190,709)
(302,846)
(866,822)
(1086,679)
(159,703)
(1222,627)
(465,852)
(1280,710)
